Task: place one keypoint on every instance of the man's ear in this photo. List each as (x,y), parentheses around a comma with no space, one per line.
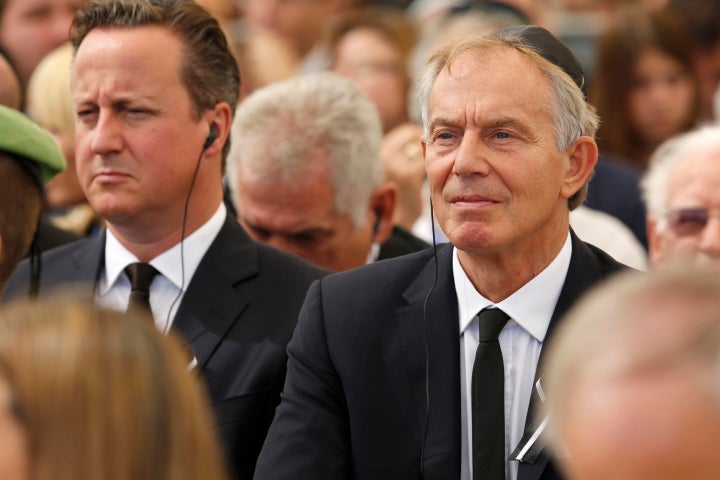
(582,157)
(218,118)
(382,203)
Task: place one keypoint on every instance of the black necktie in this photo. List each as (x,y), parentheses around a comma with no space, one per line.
(488,399)
(141,276)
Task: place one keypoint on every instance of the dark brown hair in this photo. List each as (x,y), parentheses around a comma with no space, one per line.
(209,71)
(392,23)
(20,199)
(619,48)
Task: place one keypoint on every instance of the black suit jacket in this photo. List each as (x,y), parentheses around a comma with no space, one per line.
(401,242)
(354,403)
(615,189)
(237,315)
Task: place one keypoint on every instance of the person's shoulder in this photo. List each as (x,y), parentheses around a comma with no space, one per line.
(401,242)
(276,259)
(605,262)
(392,271)
(234,241)
(55,266)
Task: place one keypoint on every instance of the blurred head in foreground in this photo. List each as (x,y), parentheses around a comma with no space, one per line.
(633,380)
(87,394)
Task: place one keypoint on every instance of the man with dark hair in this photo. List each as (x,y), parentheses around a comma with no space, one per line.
(29,157)
(155,87)
(424,366)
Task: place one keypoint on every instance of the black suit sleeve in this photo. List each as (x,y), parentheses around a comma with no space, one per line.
(309,437)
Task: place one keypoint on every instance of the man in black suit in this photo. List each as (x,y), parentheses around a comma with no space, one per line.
(381,366)
(155,86)
(306,174)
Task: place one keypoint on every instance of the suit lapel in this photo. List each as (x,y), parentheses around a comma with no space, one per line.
(583,273)
(88,260)
(431,327)
(212,303)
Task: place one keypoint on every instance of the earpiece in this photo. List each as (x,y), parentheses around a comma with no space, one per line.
(211,137)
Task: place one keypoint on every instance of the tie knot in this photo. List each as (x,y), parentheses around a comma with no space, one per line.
(141,276)
(492,321)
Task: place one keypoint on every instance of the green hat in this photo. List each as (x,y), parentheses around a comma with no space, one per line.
(31,144)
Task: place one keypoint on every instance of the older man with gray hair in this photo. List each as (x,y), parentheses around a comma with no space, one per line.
(306,176)
(681,190)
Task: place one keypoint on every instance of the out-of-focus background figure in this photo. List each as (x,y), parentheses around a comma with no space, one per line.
(28,158)
(373,47)
(702,18)
(306,173)
(645,87)
(682,191)
(30,29)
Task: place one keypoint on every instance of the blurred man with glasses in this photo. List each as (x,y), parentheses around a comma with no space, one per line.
(681,190)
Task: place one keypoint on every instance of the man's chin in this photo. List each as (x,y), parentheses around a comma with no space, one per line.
(113,212)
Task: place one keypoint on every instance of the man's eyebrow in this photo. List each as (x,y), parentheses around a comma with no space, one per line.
(324,231)
(511,122)
(441,122)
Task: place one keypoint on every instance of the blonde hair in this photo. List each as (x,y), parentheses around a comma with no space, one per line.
(49,99)
(104,395)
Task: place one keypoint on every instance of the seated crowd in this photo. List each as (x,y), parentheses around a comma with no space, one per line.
(363,239)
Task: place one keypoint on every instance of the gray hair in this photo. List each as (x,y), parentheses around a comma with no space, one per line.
(277,126)
(605,335)
(655,181)
(572,115)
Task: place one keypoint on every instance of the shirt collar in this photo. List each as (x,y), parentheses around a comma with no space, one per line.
(168,263)
(531,306)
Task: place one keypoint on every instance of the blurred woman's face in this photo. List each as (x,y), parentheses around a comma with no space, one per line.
(13,441)
(376,65)
(662,96)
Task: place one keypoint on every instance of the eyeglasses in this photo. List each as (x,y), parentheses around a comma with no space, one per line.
(687,221)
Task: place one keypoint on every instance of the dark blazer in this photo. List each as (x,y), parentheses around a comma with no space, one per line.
(354,403)
(615,189)
(401,242)
(237,315)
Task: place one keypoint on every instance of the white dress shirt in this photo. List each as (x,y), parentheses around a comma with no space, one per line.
(168,287)
(530,309)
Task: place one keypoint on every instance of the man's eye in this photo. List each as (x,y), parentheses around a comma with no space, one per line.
(688,221)
(86,113)
(306,238)
(137,111)
(502,135)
